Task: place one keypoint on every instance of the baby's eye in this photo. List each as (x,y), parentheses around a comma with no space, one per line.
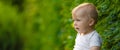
(78,20)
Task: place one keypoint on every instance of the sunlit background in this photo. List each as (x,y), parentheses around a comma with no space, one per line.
(47,24)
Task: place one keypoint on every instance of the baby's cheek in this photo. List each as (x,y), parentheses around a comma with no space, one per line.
(82,24)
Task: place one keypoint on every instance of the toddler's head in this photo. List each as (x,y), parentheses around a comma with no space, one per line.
(85,17)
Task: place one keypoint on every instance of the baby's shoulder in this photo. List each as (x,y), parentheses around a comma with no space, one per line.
(94,35)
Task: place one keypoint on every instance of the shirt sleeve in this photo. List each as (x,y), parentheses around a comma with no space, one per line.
(95,41)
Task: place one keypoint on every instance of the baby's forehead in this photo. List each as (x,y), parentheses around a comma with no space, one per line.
(80,12)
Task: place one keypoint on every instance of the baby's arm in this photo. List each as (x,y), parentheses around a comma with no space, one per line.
(95,48)
(95,43)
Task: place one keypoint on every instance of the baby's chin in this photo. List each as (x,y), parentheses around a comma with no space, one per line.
(79,31)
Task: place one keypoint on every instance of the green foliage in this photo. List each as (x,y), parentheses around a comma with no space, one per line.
(47,24)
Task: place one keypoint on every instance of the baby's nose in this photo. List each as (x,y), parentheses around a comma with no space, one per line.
(75,23)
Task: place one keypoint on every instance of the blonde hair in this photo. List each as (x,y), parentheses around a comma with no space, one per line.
(90,10)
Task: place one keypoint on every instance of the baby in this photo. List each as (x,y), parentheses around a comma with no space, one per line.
(85,17)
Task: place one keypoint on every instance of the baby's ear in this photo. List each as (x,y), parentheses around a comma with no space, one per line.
(92,21)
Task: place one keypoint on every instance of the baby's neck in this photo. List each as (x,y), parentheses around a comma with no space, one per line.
(86,32)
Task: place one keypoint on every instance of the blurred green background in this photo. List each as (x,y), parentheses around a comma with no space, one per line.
(47,24)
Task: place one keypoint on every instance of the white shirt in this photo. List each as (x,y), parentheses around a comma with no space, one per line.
(86,41)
